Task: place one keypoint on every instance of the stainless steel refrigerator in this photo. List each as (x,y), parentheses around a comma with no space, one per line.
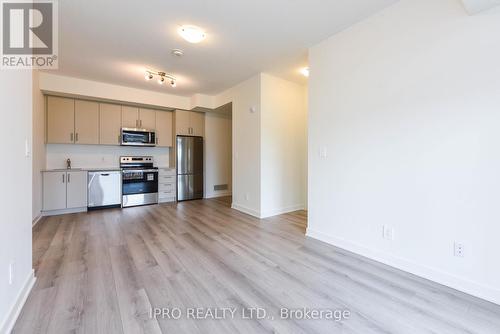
(189,168)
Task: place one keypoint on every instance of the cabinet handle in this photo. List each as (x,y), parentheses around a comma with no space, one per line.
(136,123)
(63,178)
(69,178)
(71,136)
(140,123)
(76,136)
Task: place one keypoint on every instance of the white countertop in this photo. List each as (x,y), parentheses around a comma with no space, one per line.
(89,169)
(86,169)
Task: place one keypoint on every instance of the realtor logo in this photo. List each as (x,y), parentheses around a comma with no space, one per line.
(29,34)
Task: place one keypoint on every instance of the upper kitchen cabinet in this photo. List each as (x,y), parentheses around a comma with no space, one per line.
(147,119)
(110,124)
(189,123)
(133,117)
(164,128)
(182,126)
(86,122)
(60,120)
(197,120)
(130,117)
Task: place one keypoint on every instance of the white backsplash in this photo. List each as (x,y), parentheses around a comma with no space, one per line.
(97,156)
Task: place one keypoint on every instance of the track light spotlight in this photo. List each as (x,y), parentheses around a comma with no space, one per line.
(162,76)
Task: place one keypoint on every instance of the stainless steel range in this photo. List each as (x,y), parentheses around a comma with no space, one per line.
(139,181)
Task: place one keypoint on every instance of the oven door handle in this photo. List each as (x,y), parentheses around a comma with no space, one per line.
(140,170)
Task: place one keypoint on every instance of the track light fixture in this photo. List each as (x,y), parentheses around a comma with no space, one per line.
(162,76)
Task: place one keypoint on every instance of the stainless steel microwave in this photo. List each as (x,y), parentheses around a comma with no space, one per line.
(138,137)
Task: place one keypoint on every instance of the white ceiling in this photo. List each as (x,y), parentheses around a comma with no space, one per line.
(115,41)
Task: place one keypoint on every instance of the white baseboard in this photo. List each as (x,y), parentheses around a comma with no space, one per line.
(280,211)
(218,194)
(63,212)
(267,214)
(473,288)
(246,210)
(36,220)
(13,314)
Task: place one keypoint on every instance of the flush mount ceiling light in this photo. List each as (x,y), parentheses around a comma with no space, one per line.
(177,52)
(162,76)
(305,71)
(192,34)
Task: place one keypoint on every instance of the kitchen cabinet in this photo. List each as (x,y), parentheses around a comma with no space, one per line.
(164,128)
(76,189)
(54,191)
(60,120)
(138,118)
(64,190)
(86,122)
(189,123)
(167,185)
(197,121)
(130,117)
(147,119)
(182,126)
(110,123)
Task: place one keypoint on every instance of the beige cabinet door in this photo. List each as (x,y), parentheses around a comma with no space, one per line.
(164,128)
(60,120)
(130,117)
(197,122)
(76,189)
(86,122)
(147,119)
(54,190)
(110,122)
(182,126)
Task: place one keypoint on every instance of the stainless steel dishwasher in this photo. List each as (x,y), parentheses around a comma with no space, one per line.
(104,189)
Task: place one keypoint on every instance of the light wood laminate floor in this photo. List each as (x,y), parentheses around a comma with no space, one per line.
(102,271)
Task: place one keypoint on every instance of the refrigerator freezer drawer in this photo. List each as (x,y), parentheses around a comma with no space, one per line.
(189,187)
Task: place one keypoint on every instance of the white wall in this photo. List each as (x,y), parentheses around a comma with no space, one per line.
(246,143)
(407,103)
(15,199)
(38,145)
(218,153)
(93,156)
(283,146)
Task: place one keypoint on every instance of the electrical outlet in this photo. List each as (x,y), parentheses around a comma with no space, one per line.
(388,232)
(323,152)
(459,249)
(11,273)
(247,196)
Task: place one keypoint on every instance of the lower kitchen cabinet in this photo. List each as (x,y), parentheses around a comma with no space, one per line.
(167,185)
(64,190)
(76,190)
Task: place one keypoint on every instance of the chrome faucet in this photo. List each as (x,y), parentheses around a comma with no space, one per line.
(68,163)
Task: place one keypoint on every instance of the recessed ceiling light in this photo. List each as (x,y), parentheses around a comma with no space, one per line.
(305,71)
(192,34)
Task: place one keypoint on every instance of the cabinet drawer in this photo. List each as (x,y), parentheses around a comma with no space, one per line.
(166,194)
(166,188)
(166,179)
(166,172)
